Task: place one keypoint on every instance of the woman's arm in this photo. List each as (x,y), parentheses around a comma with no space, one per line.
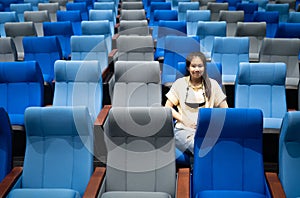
(223,104)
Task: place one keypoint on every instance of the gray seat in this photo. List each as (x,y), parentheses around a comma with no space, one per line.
(17,31)
(136,83)
(133,14)
(8,51)
(256,31)
(135,48)
(215,9)
(283,50)
(62,3)
(37,17)
(52,8)
(132,134)
(132,5)
(138,27)
(231,18)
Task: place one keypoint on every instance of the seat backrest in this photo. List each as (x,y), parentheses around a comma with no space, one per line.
(90,48)
(45,50)
(174,3)
(157,6)
(140,133)
(133,5)
(230,51)
(165,15)
(207,31)
(289,154)
(67,133)
(231,18)
(100,15)
(177,48)
(283,50)
(8,51)
(5,144)
(137,83)
(135,48)
(192,18)
(271,18)
(262,86)
(237,146)
(109,5)
(22,90)
(215,9)
(262,4)
(288,30)
(20,8)
(18,30)
(6,4)
(81,6)
(72,15)
(78,83)
(139,27)
(256,32)
(184,6)
(98,28)
(294,17)
(249,8)
(37,17)
(52,9)
(133,14)
(282,9)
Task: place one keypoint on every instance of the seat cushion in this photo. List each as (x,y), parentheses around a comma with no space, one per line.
(228,194)
(127,194)
(45,193)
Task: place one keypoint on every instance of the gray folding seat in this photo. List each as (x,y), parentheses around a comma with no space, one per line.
(37,17)
(231,18)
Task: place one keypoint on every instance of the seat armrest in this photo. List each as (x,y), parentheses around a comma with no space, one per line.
(111,59)
(102,116)
(9,181)
(114,40)
(95,183)
(183,183)
(274,184)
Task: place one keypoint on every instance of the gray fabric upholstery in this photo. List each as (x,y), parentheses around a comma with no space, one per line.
(137,83)
(215,9)
(133,15)
(132,5)
(37,17)
(135,48)
(52,8)
(256,31)
(231,18)
(283,50)
(125,194)
(135,27)
(8,51)
(135,133)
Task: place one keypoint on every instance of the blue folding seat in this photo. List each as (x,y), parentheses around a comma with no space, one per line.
(157,6)
(230,51)
(249,9)
(34,3)
(288,30)
(107,6)
(207,31)
(174,3)
(20,8)
(89,3)
(100,15)
(81,6)
(192,18)
(262,86)
(6,4)
(232,4)
(45,50)
(183,7)
(294,17)
(271,18)
(5,144)
(74,17)
(4,18)
(63,30)
(262,4)
(282,9)
(23,85)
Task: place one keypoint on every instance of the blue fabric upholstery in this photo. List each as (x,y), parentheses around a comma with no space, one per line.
(20,8)
(74,16)
(289,148)
(262,86)
(90,48)
(232,4)
(228,159)
(184,6)
(98,15)
(109,5)
(288,30)
(6,4)
(81,6)
(22,85)
(58,153)
(45,50)
(6,17)
(5,144)
(78,83)
(63,30)
(192,18)
(282,9)
(249,9)
(176,50)
(271,18)
(230,51)
(157,6)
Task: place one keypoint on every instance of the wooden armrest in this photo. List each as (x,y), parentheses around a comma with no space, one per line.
(102,115)
(95,183)
(274,184)
(183,183)
(111,59)
(114,40)
(9,181)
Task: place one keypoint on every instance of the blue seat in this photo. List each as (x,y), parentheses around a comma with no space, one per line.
(167,28)
(157,6)
(230,51)
(6,4)
(34,3)
(183,7)
(174,3)
(107,6)
(5,144)
(294,17)
(272,20)
(232,4)
(22,90)
(249,9)
(262,86)
(81,6)
(100,15)
(90,48)
(74,17)
(262,4)
(45,50)
(20,8)
(59,154)
(228,159)
(6,17)
(78,83)
(282,9)
(63,30)
(289,154)
(288,30)
(207,31)
(192,19)
(89,3)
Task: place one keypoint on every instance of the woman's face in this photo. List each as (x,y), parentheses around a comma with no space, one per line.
(196,68)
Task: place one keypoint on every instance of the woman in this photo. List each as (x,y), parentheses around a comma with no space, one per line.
(188,94)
